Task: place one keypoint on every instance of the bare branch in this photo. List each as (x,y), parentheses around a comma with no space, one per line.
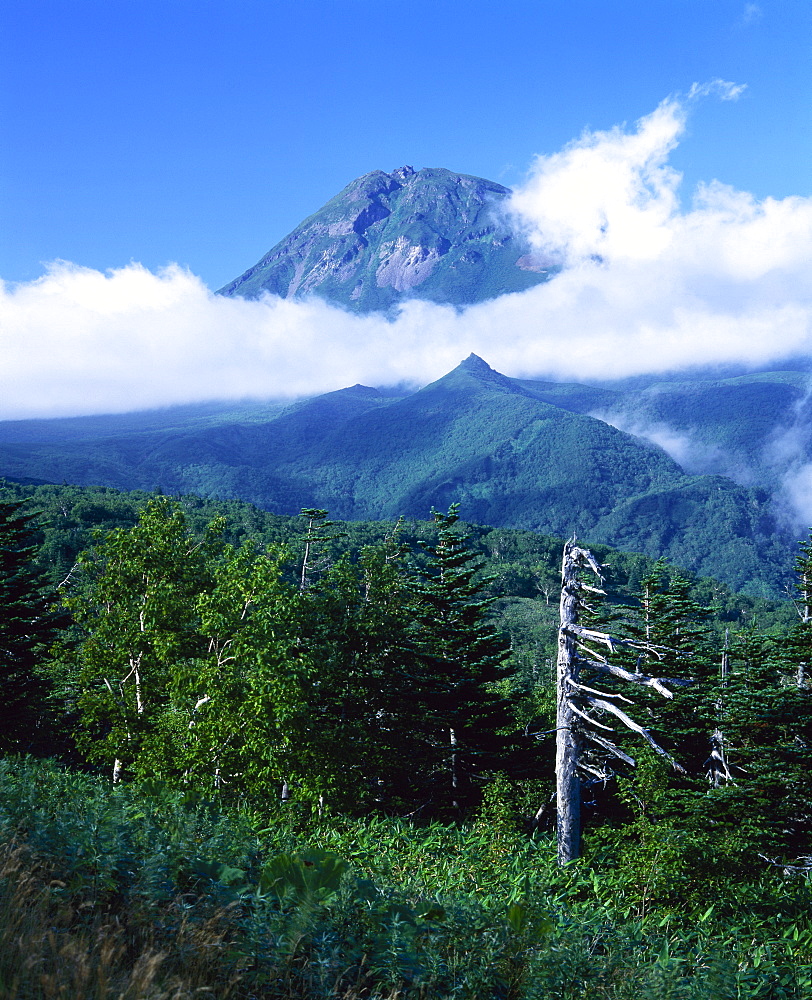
(796,868)
(607,706)
(588,718)
(607,745)
(64,583)
(585,557)
(588,633)
(603,694)
(591,652)
(599,664)
(653,682)
(603,775)
(611,641)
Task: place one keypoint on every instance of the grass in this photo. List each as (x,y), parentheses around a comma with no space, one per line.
(54,946)
(128,894)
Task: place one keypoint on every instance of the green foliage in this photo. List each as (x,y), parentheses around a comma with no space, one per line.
(233,681)
(460,658)
(236,705)
(201,663)
(512,453)
(28,622)
(136,627)
(322,706)
(372,907)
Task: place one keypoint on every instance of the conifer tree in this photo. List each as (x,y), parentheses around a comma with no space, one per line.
(459,658)
(27,625)
(769,716)
(354,627)
(673,622)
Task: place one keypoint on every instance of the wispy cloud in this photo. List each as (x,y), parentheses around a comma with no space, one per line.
(777,457)
(688,451)
(647,287)
(723,89)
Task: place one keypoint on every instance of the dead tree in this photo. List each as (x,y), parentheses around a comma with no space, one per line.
(577,727)
(718,772)
(319,531)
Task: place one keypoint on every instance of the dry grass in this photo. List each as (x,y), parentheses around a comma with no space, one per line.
(53,948)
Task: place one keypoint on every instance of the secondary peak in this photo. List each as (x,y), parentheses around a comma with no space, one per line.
(474,363)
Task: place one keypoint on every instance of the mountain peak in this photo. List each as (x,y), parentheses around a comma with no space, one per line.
(476,365)
(430,234)
(403,172)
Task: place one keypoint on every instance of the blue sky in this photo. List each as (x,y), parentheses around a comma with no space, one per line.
(202,132)
(152,151)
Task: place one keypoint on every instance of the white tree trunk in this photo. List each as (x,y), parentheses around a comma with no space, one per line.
(454,776)
(567,744)
(580,706)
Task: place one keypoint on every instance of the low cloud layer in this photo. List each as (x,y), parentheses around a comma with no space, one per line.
(778,459)
(647,286)
(693,455)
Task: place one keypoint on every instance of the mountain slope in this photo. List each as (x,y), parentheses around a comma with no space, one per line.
(508,456)
(755,429)
(429,234)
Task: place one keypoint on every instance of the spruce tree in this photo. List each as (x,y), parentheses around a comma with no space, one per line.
(459,711)
(771,726)
(671,619)
(27,625)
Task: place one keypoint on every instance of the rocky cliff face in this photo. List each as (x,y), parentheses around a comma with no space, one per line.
(429,234)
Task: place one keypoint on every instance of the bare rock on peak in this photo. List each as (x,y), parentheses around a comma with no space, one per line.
(431,234)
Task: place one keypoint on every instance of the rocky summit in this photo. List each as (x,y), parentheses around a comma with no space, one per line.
(427,234)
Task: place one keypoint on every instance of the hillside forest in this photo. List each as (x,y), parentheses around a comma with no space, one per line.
(254,755)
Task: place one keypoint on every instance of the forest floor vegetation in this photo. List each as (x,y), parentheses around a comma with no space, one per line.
(150,893)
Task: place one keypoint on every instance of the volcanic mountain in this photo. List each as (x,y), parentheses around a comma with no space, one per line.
(430,234)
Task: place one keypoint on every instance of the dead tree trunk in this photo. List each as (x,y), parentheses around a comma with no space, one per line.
(567,744)
(577,702)
(454,775)
(319,530)
(718,770)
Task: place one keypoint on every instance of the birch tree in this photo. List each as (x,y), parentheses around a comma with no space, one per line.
(237,706)
(584,712)
(134,610)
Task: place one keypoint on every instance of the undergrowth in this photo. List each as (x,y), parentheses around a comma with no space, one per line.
(148,893)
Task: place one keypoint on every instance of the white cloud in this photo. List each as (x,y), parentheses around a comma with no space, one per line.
(647,287)
(693,455)
(723,89)
(607,194)
(794,500)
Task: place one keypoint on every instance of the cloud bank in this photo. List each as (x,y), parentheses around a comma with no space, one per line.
(646,286)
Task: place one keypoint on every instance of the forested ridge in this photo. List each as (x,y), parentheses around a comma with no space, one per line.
(513,453)
(272,756)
